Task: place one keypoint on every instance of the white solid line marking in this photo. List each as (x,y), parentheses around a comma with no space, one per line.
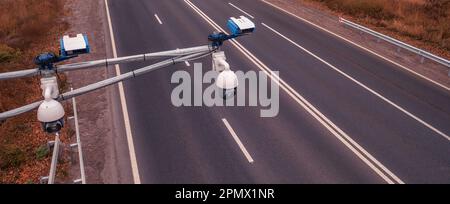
(126,119)
(241,10)
(157,18)
(238,141)
(187,63)
(360,46)
(359,151)
(362,85)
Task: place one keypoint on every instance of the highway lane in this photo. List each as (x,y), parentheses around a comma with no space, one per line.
(418,96)
(191,144)
(413,151)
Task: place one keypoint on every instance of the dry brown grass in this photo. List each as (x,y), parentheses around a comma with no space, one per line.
(22,21)
(427,21)
(27,27)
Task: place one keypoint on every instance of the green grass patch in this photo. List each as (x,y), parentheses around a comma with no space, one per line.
(42,152)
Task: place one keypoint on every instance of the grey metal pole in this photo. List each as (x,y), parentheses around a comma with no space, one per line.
(107,62)
(18,111)
(19,74)
(133,58)
(104,83)
(126,76)
(52,174)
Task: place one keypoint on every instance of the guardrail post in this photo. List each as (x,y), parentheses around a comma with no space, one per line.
(73,150)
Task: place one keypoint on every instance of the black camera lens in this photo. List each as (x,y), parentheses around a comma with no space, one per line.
(53,127)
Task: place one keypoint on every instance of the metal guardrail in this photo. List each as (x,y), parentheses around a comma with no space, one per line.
(82,179)
(398,43)
(50,179)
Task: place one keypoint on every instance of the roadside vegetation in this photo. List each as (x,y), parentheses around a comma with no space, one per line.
(27,28)
(424,23)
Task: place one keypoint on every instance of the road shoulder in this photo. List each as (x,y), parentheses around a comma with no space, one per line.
(101,125)
(326,20)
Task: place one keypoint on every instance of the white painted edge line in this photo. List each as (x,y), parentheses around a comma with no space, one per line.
(361,84)
(238,141)
(159,20)
(239,9)
(359,151)
(187,63)
(123,101)
(360,46)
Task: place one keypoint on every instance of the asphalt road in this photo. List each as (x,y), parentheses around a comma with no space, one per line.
(372,122)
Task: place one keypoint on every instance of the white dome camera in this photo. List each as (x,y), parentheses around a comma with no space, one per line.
(228,82)
(51,115)
(227,79)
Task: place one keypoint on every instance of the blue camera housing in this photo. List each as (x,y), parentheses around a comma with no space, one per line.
(240,26)
(73,46)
